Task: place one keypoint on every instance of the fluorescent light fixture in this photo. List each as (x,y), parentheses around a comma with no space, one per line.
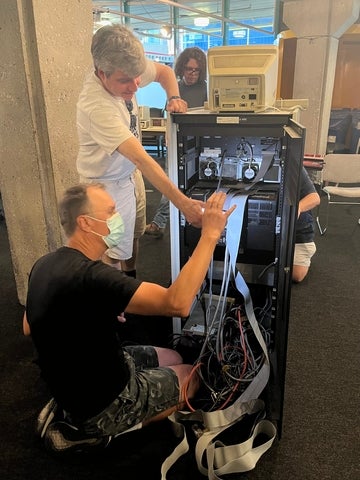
(201,21)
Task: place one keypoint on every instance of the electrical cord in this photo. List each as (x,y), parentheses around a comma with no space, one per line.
(230,357)
(221,169)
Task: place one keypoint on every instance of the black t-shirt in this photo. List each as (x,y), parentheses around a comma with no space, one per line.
(305,231)
(72,308)
(195,95)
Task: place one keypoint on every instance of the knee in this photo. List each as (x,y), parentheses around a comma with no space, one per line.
(189,381)
(299,273)
(194,384)
(167,356)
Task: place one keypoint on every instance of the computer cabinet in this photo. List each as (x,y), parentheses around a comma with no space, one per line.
(254,157)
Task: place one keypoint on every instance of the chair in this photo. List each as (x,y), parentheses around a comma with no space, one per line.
(155,135)
(340,182)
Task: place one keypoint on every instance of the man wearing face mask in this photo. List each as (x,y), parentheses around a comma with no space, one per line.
(72,312)
(110,149)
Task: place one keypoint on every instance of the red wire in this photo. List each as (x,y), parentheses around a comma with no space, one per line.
(245,362)
(198,365)
(186,385)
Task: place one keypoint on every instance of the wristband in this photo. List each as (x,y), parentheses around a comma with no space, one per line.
(174,97)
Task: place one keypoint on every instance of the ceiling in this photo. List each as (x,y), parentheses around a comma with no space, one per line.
(148,16)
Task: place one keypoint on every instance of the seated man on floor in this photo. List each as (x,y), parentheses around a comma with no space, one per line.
(74,305)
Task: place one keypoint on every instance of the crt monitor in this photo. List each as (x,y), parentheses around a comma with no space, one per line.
(242,78)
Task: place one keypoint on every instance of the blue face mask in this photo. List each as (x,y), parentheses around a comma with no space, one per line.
(116,226)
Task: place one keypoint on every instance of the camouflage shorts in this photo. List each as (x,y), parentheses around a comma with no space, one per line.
(150,390)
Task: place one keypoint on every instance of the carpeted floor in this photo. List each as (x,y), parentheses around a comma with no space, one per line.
(320,438)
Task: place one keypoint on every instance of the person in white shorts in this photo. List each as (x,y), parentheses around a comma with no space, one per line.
(110,149)
(305,233)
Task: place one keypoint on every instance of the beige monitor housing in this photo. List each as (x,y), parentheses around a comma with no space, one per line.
(242,78)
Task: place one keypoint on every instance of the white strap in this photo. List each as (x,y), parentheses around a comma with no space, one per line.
(221,459)
(179,450)
(240,457)
(236,411)
(233,234)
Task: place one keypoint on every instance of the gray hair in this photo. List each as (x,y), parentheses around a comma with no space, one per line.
(115,47)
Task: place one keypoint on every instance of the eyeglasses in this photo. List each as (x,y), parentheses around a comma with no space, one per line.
(192,70)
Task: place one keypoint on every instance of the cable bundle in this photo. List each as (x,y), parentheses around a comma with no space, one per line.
(230,358)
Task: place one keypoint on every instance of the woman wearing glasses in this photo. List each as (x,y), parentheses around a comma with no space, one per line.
(190,69)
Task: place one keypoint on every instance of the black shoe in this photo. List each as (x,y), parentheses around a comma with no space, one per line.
(45,417)
(63,438)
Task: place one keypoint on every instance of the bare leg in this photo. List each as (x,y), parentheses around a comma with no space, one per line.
(299,273)
(186,381)
(167,356)
(130,264)
(172,359)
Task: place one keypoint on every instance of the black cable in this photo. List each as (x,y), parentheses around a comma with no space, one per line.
(272,264)
(221,169)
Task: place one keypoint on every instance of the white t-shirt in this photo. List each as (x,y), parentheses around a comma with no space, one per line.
(103,123)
